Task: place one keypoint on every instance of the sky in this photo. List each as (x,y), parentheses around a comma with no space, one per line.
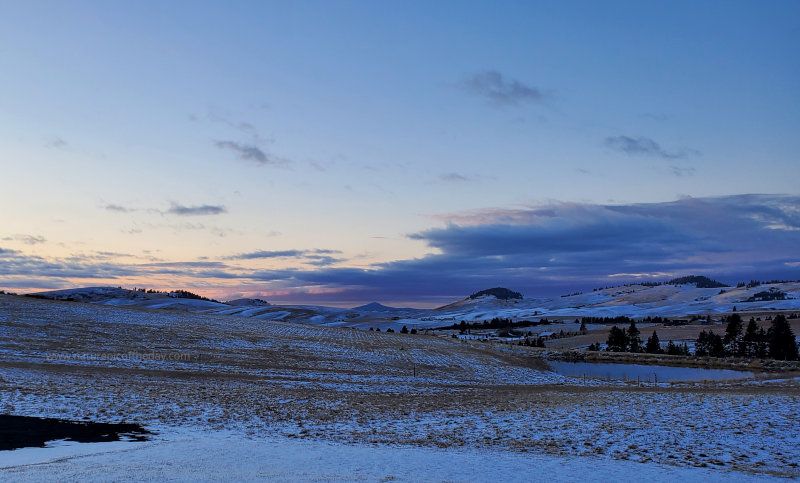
(411,153)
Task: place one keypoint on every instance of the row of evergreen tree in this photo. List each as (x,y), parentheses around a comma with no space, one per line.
(404,330)
(777,342)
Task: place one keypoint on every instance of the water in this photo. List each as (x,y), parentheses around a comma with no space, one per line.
(632,372)
(25,431)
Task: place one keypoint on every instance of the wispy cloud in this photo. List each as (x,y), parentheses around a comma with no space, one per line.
(200,210)
(250,152)
(317,257)
(644,146)
(215,115)
(55,142)
(491,85)
(453,177)
(174,209)
(118,208)
(681,171)
(241,126)
(26,239)
(267,254)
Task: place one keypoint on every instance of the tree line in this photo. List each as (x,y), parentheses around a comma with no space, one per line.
(777,342)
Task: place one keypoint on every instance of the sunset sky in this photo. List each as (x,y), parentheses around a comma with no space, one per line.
(411,153)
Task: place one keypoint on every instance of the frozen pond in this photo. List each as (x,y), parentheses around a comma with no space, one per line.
(629,372)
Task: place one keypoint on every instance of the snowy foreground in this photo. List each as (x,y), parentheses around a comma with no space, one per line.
(238,398)
(227,456)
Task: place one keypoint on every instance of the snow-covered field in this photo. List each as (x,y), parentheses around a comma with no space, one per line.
(633,301)
(232,456)
(292,401)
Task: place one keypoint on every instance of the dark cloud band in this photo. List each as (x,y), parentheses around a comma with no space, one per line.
(539,250)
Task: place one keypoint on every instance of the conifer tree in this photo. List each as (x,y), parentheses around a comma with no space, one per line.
(733,336)
(751,339)
(653,346)
(634,341)
(672,349)
(781,340)
(617,340)
(709,344)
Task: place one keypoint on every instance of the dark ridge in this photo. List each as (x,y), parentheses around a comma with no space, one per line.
(700,281)
(771,294)
(498,292)
(23,431)
(374,306)
(185,294)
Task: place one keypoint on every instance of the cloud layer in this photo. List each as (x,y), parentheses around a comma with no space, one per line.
(545,249)
(556,248)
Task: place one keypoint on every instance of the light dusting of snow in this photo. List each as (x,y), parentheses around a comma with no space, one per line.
(343,395)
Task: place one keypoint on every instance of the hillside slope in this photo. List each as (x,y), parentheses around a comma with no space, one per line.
(633,301)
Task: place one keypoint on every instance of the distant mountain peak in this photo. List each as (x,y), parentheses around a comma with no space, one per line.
(374,306)
(500,293)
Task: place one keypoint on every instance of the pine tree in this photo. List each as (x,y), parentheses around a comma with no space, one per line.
(781,340)
(733,336)
(617,340)
(709,344)
(653,346)
(751,339)
(634,341)
(762,343)
(672,349)
(717,347)
(702,347)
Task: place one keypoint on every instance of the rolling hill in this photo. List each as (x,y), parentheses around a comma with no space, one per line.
(686,298)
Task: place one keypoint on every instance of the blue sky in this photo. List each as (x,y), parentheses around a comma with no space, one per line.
(406,152)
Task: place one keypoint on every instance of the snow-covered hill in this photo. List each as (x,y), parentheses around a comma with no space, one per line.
(631,301)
